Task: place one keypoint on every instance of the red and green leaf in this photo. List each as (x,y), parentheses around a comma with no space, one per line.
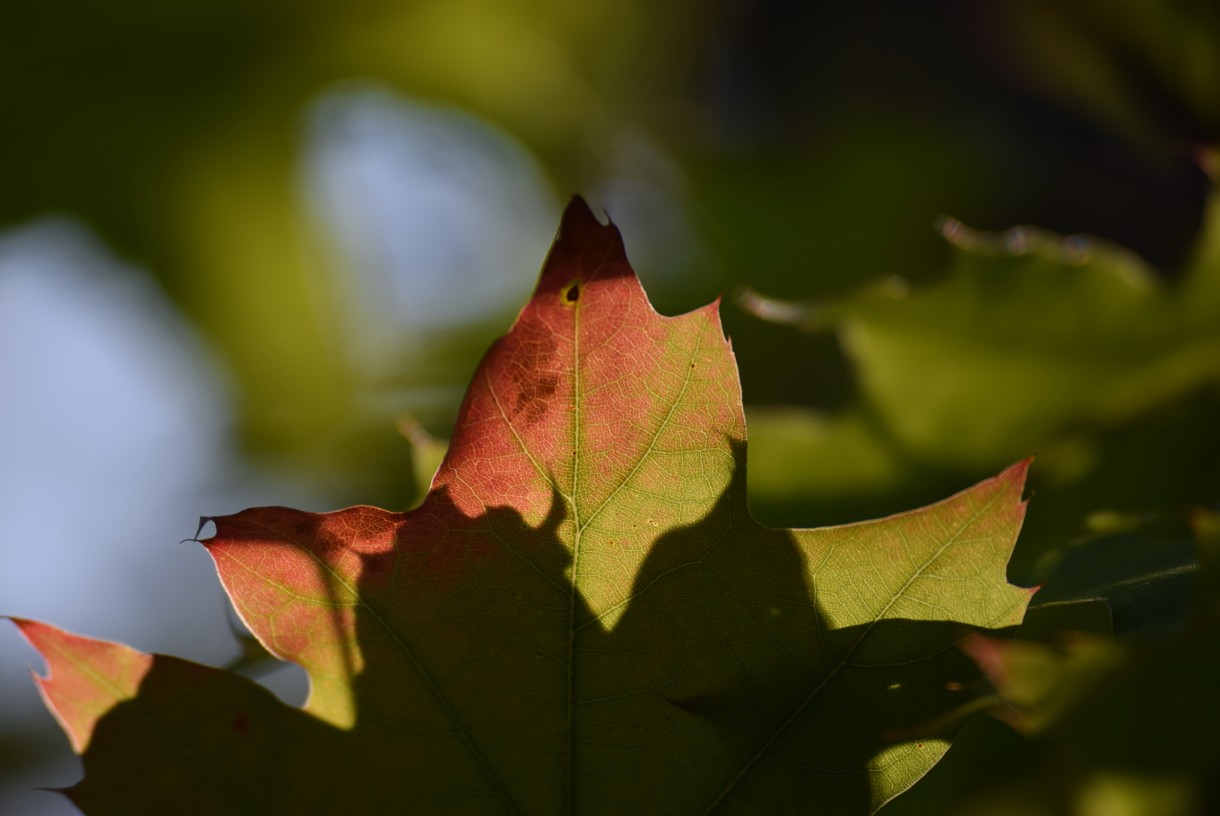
(581,616)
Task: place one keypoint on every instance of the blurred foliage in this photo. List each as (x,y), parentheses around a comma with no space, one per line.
(810,150)
(814,147)
(1032,343)
(1111,726)
(1129,722)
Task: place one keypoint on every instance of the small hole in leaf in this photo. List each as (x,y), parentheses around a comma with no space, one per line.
(572,293)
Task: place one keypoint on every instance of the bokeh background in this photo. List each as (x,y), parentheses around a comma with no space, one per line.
(240,243)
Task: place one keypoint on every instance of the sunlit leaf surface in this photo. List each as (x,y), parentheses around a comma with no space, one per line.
(581,616)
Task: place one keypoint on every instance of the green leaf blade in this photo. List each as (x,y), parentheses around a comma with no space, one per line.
(583,616)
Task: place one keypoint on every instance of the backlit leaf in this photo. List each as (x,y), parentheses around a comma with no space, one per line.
(581,616)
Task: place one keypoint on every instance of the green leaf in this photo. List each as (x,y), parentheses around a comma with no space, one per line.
(581,616)
(1030,342)
(1028,335)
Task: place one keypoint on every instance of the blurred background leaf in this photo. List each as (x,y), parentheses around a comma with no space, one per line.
(1031,343)
(1117,727)
(243,241)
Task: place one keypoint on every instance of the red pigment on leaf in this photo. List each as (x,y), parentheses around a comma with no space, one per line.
(85,677)
(583,590)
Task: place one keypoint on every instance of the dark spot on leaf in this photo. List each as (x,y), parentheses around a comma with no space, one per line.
(534,398)
(572,293)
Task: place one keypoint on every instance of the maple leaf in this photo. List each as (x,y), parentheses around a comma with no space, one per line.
(581,616)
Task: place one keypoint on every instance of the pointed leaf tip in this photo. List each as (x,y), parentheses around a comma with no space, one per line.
(579,212)
(85,678)
(584,249)
(1019,471)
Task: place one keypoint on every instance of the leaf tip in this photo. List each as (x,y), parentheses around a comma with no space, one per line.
(712,313)
(584,249)
(578,210)
(1013,480)
(203,521)
(84,678)
(1017,472)
(34,632)
(581,227)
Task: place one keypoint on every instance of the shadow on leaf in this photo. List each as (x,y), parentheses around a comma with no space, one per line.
(480,688)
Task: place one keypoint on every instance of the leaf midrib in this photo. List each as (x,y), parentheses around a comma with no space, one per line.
(577,529)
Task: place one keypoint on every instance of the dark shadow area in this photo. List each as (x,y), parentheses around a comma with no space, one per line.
(721,684)
(726,652)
